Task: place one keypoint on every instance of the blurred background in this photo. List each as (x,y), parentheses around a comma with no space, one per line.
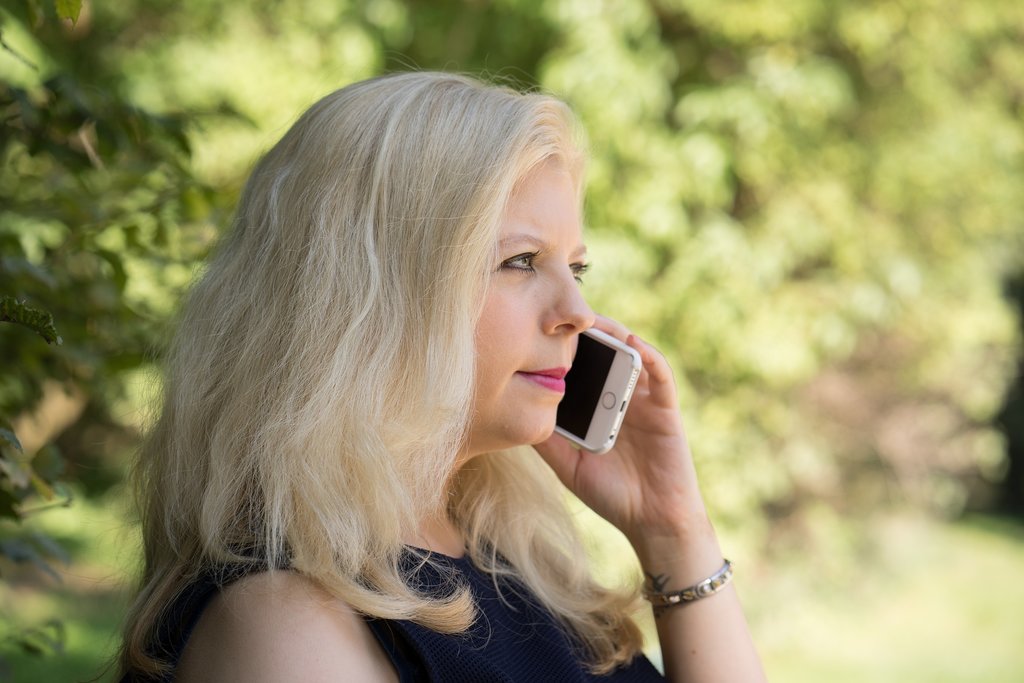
(815,208)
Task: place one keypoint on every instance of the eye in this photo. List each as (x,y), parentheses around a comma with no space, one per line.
(578,270)
(520,262)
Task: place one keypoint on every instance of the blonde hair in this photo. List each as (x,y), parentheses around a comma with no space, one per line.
(319,385)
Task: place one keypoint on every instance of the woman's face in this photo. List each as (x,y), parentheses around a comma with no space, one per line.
(533,312)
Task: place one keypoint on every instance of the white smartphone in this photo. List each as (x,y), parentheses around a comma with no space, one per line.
(597,391)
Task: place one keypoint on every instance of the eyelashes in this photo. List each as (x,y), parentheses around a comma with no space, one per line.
(579,270)
(524,263)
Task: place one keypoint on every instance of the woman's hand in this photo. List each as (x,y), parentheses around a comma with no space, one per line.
(646,485)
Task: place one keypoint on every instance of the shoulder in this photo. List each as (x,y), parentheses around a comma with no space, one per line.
(281,626)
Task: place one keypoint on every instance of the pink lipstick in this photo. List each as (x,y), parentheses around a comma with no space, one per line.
(550,378)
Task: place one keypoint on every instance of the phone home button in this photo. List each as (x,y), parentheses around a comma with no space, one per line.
(608,400)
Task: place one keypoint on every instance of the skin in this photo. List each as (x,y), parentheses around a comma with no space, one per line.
(532,315)
(285,628)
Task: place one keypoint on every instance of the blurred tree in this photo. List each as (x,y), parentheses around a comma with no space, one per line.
(809,206)
(814,204)
(1010,496)
(100,225)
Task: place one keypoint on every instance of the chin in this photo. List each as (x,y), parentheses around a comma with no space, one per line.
(543,435)
(528,435)
(540,433)
(513,429)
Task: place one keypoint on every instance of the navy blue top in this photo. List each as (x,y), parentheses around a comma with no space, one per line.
(512,639)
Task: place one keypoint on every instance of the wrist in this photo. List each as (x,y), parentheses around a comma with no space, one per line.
(662,600)
(673,535)
(681,555)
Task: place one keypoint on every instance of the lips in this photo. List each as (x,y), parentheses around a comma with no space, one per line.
(550,378)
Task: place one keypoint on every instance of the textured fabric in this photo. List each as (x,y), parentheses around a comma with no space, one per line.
(513,638)
(182,615)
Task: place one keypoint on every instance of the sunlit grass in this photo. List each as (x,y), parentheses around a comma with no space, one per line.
(941,604)
(931,602)
(89,599)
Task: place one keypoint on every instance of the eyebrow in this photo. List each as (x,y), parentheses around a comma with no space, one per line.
(537,243)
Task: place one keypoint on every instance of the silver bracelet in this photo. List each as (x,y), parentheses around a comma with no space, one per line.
(709,586)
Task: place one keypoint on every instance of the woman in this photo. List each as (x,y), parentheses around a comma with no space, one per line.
(341,484)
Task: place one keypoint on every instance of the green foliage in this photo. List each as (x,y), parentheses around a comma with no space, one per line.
(90,603)
(35,549)
(100,224)
(818,205)
(809,206)
(102,220)
(48,638)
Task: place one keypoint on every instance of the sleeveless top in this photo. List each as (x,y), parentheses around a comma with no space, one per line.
(514,638)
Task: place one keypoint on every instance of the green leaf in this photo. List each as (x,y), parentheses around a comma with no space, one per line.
(16,471)
(8,505)
(117,265)
(28,551)
(37,320)
(41,640)
(35,13)
(48,465)
(42,487)
(50,547)
(69,9)
(18,267)
(8,439)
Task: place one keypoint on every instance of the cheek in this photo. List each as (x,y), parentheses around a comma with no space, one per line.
(499,321)
(496,363)
(503,333)
(488,361)
(507,313)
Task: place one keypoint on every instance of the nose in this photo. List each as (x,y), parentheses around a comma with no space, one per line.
(570,313)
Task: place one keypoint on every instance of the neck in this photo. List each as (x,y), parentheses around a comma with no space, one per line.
(436,532)
(439,534)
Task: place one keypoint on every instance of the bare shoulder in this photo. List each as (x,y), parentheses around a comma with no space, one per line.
(281,626)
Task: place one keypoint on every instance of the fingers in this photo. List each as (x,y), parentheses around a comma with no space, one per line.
(659,378)
(653,361)
(661,382)
(612,327)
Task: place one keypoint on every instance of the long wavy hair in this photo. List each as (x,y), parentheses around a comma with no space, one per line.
(319,385)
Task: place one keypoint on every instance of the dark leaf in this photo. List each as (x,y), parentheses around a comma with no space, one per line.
(114,259)
(21,267)
(51,547)
(36,15)
(42,487)
(37,320)
(16,471)
(48,463)
(8,439)
(41,640)
(8,505)
(24,552)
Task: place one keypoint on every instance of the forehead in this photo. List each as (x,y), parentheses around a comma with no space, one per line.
(544,206)
(535,242)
